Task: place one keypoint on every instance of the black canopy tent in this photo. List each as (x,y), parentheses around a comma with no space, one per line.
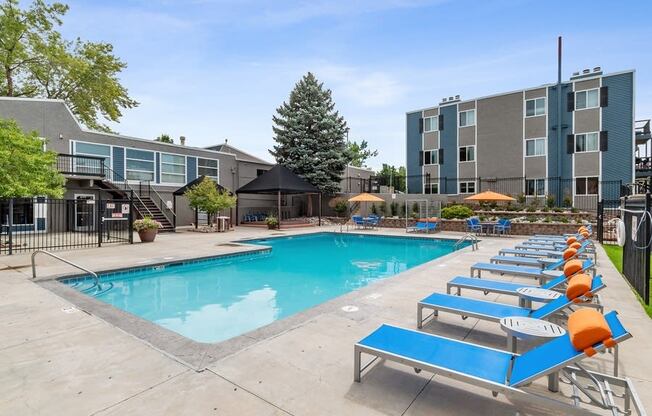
(279,180)
(181,191)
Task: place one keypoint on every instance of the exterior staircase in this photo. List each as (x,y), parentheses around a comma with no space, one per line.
(147,207)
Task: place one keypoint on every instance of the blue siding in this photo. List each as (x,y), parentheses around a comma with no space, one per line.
(157,168)
(555,148)
(192,168)
(448,142)
(617,119)
(414,182)
(118,163)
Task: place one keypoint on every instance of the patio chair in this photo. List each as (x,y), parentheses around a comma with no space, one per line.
(358,221)
(510,288)
(503,227)
(473,225)
(507,373)
(493,312)
(374,221)
(556,252)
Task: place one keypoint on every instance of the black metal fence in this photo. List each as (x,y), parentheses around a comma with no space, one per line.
(28,224)
(581,193)
(636,251)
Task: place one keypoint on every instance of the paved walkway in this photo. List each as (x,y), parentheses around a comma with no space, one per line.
(55,359)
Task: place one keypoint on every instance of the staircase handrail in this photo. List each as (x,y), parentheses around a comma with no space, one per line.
(123,182)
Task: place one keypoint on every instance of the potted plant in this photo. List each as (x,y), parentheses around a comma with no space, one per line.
(147,229)
(272,222)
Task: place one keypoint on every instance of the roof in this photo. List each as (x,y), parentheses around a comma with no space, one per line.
(278,179)
(194,182)
(103,133)
(239,154)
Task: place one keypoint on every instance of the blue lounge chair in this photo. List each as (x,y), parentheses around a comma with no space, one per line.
(422,226)
(585,246)
(542,262)
(504,226)
(542,275)
(473,225)
(492,311)
(502,372)
(506,288)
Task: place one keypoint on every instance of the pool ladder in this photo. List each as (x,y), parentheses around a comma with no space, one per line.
(468,236)
(96,279)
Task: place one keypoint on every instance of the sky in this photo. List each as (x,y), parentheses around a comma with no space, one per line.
(212,70)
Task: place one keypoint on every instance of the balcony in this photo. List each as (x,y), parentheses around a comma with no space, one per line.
(81,166)
(643,153)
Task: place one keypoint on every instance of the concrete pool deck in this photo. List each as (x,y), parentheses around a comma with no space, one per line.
(57,359)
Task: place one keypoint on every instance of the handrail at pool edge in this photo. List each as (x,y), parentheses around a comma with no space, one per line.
(92,273)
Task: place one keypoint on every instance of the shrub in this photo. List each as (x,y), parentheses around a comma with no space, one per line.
(545,209)
(547,219)
(575,210)
(568,201)
(340,207)
(563,219)
(520,198)
(550,201)
(383,208)
(271,221)
(557,209)
(146,223)
(531,209)
(532,218)
(394,208)
(374,210)
(415,207)
(456,211)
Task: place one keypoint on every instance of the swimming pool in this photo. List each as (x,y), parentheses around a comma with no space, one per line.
(216,299)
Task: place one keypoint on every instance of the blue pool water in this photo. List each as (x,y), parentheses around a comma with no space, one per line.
(216,299)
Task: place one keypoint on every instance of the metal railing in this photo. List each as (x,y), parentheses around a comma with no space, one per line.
(146,189)
(96,278)
(468,236)
(80,165)
(121,184)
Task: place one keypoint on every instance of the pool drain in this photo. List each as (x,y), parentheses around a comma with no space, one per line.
(350,308)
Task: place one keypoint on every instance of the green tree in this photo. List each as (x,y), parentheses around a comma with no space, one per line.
(36,61)
(205,197)
(164,138)
(390,176)
(310,133)
(360,153)
(26,170)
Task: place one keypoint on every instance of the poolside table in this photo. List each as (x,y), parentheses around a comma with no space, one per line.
(521,327)
(529,294)
(487,226)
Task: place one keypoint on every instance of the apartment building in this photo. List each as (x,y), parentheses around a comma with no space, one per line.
(113,166)
(573,140)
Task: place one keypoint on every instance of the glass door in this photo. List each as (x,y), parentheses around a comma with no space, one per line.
(84,212)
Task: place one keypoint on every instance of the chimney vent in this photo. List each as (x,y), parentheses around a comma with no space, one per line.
(457,97)
(597,69)
(577,73)
(182,140)
(443,100)
(586,71)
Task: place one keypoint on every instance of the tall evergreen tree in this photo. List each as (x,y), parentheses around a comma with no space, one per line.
(310,135)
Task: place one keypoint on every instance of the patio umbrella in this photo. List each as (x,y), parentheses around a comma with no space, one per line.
(365,197)
(489,196)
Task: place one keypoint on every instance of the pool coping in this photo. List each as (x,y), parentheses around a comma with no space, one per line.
(198,355)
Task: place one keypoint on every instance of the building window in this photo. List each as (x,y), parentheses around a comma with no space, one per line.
(535,107)
(208,167)
(467,154)
(535,187)
(586,186)
(467,187)
(535,147)
(140,165)
(587,99)
(260,172)
(467,118)
(23,214)
(431,157)
(431,188)
(587,142)
(173,169)
(91,149)
(430,124)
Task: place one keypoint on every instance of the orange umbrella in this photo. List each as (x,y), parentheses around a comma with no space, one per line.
(489,196)
(365,197)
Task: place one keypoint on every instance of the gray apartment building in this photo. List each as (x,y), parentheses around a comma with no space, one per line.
(113,166)
(573,141)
